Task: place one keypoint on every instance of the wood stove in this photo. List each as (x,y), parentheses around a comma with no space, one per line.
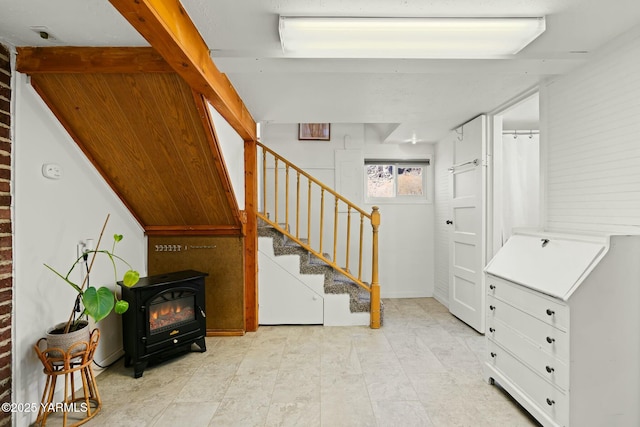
(165,317)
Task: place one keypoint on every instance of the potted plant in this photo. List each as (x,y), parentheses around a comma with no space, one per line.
(90,301)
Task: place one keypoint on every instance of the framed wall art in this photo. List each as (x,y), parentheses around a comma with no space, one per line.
(314,131)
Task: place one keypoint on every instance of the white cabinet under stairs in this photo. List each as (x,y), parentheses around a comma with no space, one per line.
(288,296)
(285,295)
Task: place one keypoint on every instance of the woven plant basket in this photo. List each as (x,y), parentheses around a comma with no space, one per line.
(56,338)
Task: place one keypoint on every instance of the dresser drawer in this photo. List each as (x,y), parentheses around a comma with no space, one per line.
(547,366)
(545,336)
(548,398)
(545,308)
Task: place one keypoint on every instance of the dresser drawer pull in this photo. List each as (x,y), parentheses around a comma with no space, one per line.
(550,312)
(551,340)
(492,287)
(492,330)
(549,369)
(492,307)
(493,354)
(550,402)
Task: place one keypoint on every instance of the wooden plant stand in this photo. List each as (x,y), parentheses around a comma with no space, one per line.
(57,362)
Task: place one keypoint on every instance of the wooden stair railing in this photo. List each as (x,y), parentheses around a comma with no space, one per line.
(275,180)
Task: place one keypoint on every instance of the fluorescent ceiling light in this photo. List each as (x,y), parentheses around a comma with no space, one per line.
(340,37)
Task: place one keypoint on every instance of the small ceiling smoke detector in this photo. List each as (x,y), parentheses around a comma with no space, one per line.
(43,32)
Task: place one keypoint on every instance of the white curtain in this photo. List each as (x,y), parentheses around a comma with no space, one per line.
(521,182)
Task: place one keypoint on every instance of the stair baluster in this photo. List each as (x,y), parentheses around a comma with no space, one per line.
(339,242)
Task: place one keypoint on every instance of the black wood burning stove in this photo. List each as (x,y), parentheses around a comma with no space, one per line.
(165,317)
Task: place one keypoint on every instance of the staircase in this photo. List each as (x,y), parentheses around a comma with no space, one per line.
(296,287)
(300,283)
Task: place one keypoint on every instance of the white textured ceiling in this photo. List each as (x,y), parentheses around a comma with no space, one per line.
(422,97)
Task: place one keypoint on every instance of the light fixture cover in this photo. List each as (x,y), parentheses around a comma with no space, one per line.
(342,37)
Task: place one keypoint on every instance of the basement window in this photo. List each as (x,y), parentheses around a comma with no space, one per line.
(396,181)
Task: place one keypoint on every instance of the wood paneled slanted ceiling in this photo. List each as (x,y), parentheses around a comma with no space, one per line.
(152,139)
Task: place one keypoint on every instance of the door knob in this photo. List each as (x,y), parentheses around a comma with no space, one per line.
(449,221)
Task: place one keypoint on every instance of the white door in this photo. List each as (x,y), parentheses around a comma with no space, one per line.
(466,242)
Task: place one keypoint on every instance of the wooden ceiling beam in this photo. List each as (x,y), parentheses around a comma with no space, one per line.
(65,59)
(168,29)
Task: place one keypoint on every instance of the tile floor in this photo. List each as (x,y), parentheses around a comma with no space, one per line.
(423,368)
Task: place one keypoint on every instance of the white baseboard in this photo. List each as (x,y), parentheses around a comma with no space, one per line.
(108,360)
(406,294)
(442,299)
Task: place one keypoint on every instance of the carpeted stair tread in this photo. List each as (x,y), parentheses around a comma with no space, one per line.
(334,281)
(339,277)
(313,259)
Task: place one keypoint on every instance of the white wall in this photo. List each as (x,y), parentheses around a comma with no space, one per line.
(50,217)
(232,146)
(406,230)
(444,159)
(591,134)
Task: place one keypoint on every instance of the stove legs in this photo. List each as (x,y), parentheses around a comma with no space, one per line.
(139,368)
(201,344)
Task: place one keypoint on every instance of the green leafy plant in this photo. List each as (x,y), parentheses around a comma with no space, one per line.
(97,302)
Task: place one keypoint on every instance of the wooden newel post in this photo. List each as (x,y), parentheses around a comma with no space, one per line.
(375,285)
(251,234)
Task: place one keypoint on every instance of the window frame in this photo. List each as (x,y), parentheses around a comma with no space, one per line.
(423,163)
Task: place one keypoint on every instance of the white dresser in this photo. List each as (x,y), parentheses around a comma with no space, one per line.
(563,327)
